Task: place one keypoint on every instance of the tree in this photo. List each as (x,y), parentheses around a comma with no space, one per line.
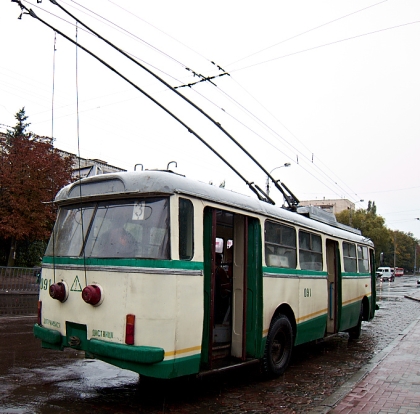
(404,245)
(370,224)
(395,245)
(31,173)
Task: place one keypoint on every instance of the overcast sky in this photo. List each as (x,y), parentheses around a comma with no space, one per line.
(331,87)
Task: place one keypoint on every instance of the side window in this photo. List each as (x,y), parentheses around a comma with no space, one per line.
(363,259)
(186,229)
(349,255)
(280,245)
(310,251)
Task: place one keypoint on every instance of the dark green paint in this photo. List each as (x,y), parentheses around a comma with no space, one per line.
(49,336)
(141,359)
(254,300)
(129,353)
(159,264)
(350,315)
(310,330)
(207,245)
(339,286)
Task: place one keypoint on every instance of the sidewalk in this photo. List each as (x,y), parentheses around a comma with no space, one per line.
(389,383)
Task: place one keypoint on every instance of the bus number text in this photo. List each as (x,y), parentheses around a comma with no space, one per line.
(45,284)
(307,292)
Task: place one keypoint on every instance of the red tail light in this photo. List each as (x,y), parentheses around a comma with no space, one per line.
(59,291)
(39,312)
(93,295)
(129,329)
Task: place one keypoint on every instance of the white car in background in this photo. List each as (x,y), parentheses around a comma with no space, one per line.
(385,274)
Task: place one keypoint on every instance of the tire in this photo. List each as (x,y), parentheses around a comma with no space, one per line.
(279,345)
(355,332)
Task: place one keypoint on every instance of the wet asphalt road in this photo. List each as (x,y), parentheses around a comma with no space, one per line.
(34,380)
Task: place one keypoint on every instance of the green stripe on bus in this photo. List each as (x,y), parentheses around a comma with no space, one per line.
(152,263)
(350,315)
(141,359)
(130,353)
(165,370)
(48,335)
(310,330)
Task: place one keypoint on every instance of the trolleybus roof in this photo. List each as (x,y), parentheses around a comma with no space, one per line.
(153,182)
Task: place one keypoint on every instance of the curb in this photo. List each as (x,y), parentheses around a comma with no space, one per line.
(330,402)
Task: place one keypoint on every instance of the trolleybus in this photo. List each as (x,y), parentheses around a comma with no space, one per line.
(157,273)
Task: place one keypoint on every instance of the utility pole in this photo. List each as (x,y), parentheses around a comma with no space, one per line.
(395,249)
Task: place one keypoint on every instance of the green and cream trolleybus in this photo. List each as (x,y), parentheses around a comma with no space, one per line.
(166,276)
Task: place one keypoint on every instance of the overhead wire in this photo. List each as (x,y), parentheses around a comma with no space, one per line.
(328,177)
(289,197)
(325,45)
(158,29)
(251,185)
(128,32)
(90,33)
(280,42)
(272,130)
(307,31)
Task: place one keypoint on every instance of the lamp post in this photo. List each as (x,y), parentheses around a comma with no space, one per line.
(351,211)
(415,253)
(286,164)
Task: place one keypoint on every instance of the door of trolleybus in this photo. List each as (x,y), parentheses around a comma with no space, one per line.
(334,286)
(231,327)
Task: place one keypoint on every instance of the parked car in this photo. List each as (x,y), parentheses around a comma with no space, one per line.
(385,274)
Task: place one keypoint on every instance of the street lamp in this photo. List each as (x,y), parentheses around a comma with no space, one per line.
(286,164)
(351,211)
(415,253)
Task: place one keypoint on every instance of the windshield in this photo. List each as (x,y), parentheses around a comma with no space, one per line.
(128,228)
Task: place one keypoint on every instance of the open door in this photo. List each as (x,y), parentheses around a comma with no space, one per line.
(226,263)
(334,287)
(372,283)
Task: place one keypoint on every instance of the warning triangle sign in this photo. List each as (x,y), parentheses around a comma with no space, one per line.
(76,286)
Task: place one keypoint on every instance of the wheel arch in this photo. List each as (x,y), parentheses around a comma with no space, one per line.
(286,310)
(366,308)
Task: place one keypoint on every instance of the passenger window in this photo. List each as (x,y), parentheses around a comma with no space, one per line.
(186,229)
(349,255)
(310,251)
(280,245)
(363,259)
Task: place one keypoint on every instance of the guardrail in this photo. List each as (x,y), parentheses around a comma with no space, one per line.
(19,280)
(19,288)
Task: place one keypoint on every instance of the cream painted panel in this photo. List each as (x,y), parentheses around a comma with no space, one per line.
(313,298)
(190,315)
(354,289)
(161,304)
(277,291)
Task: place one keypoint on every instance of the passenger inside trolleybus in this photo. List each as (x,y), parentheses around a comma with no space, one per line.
(119,242)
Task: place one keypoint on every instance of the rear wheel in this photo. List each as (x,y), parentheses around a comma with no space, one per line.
(278,348)
(354,333)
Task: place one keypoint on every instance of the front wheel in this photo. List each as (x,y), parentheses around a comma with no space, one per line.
(278,348)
